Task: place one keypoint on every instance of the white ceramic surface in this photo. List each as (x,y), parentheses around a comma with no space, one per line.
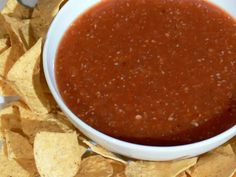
(64,18)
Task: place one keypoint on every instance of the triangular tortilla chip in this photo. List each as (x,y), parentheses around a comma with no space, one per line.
(18,147)
(160,169)
(14,9)
(22,31)
(17,46)
(27,35)
(25,76)
(43,16)
(57,154)
(218,163)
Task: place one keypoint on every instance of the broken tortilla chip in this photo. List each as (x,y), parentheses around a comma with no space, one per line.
(33,124)
(18,147)
(160,169)
(10,168)
(95,166)
(26,82)
(218,163)
(57,154)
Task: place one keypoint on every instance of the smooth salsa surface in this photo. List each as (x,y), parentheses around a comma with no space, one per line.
(155,72)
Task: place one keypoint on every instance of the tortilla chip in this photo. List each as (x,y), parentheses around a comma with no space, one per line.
(218,163)
(22,30)
(3,45)
(29,165)
(27,35)
(160,169)
(8,110)
(26,82)
(5,89)
(57,154)
(4,56)
(3,32)
(9,119)
(3,150)
(18,147)
(11,122)
(103,152)
(33,124)
(14,9)
(95,166)
(182,175)
(10,168)
(233,144)
(43,16)
(118,168)
(17,47)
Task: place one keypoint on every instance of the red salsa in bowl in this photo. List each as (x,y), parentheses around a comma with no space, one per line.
(153,72)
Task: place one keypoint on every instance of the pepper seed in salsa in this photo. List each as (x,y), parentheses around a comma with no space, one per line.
(153,72)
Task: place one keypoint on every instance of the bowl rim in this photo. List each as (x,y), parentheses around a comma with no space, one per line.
(80,123)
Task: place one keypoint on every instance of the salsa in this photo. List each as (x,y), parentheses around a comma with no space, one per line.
(153,72)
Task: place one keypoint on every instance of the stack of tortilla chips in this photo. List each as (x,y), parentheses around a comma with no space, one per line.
(36,139)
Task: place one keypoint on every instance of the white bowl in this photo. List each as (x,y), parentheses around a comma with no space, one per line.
(65,17)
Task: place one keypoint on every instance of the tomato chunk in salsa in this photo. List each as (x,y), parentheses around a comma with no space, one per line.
(153,72)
